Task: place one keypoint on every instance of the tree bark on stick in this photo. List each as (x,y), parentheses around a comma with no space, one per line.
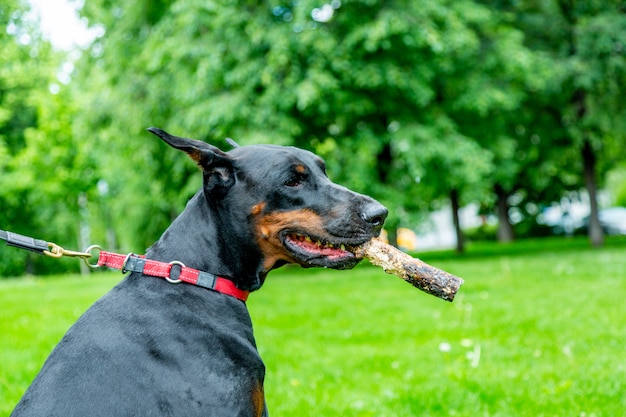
(417,273)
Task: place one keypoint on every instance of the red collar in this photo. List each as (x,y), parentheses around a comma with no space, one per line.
(137,263)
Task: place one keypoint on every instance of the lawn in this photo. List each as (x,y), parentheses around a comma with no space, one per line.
(538,329)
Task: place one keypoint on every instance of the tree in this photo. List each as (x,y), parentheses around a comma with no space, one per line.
(27,161)
(46,171)
(598,49)
(584,43)
(483,94)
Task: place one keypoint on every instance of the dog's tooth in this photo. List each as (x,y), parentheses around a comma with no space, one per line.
(308,239)
(343,247)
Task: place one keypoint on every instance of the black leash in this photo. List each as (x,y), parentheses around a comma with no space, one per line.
(24,242)
(41,246)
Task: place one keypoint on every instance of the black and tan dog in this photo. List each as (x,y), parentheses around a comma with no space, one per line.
(149,348)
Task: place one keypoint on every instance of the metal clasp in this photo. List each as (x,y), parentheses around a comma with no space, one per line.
(56,251)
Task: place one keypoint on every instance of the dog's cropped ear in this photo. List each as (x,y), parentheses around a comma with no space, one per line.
(232,143)
(216,165)
(201,152)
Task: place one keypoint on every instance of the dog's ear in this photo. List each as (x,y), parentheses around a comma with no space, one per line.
(216,165)
(232,143)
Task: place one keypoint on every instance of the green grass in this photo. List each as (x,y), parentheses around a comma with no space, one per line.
(538,329)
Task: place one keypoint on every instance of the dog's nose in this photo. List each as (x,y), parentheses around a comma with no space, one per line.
(375,214)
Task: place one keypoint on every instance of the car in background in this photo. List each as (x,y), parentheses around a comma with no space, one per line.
(612,220)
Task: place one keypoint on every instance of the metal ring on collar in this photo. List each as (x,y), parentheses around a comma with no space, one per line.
(124,270)
(177,280)
(88,250)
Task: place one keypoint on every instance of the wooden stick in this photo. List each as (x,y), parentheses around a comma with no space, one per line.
(417,273)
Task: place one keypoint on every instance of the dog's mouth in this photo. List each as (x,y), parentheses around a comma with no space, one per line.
(314,251)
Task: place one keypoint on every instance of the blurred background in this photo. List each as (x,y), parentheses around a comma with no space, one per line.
(471,120)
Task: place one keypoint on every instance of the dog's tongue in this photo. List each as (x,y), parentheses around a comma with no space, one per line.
(318,247)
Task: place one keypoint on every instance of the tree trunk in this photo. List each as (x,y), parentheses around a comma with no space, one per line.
(595,232)
(454,200)
(505,229)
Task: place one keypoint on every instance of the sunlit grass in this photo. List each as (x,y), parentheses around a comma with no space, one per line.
(538,330)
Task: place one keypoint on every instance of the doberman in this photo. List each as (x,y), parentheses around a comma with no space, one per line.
(149,348)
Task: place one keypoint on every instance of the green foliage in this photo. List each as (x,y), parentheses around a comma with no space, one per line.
(586,46)
(358,87)
(616,184)
(408,101)
(531,330)
(482,233)
(39,164)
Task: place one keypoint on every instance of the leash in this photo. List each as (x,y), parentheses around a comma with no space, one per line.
(173,272)
(40,246)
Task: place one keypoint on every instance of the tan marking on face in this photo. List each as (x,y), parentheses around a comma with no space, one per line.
(300,169)
(270,225)
(196,155)
(257,208)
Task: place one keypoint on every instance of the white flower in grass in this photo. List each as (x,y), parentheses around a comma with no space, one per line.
(474,356)
(466,343)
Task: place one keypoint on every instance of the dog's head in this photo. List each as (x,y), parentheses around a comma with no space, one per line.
(280,198)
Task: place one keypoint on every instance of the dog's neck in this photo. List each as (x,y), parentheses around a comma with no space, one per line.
(199,239)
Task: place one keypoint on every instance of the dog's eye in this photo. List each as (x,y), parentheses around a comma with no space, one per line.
(295,180)
(292,182)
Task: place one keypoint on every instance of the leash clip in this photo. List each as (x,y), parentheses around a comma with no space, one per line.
(56,251)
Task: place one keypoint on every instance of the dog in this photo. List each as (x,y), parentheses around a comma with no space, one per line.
(150,348)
